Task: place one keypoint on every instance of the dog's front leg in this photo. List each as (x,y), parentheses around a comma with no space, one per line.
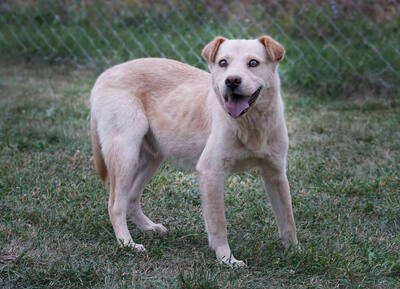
(212,195)
(277,187)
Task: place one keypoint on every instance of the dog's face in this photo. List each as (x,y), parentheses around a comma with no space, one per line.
(242,70)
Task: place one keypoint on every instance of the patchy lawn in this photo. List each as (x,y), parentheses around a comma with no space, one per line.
(344,172)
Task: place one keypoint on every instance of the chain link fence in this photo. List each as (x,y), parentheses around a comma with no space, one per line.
(333,47)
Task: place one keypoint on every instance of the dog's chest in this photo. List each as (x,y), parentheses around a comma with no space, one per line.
(255,149)
(253,140)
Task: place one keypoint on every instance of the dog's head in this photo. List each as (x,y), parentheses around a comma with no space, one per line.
(242,70)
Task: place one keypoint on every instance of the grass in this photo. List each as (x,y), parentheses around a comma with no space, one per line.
(343,168)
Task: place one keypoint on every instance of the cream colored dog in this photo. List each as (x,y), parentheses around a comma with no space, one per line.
(147,110)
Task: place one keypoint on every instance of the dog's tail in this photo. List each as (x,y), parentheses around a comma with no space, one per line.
(97,155)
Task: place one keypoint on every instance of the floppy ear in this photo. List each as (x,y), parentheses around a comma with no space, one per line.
(274,49)
(210,50)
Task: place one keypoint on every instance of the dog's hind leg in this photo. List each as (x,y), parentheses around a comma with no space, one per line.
(122,131)
(148,165)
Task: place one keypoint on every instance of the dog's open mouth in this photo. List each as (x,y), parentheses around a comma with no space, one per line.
(237,104)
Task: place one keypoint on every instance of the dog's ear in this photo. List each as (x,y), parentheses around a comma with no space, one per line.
(274,49)
(210,50)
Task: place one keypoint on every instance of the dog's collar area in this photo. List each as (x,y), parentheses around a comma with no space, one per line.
(237,105)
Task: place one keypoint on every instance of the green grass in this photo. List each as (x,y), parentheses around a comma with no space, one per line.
(343,168)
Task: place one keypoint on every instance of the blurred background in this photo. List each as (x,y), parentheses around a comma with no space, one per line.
(334,48)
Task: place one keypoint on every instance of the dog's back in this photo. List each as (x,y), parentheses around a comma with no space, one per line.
(167,96)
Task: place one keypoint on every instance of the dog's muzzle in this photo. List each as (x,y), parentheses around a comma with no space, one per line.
(236,104)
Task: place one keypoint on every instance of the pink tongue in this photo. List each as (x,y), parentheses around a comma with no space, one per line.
(236,107)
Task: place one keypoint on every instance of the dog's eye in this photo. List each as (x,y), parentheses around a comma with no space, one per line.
(223,63)
(253,63)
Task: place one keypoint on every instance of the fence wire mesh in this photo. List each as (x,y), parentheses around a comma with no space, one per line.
(341,44)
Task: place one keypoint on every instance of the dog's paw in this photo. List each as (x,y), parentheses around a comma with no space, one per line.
(133,245)
(291,246)
(232,262)
(239,263)
(225,256)
(138,247)
(289,240)
(158,228)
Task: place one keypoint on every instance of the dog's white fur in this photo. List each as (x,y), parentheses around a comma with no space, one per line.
(147,110)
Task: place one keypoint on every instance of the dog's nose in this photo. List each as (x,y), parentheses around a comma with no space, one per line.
(233,81)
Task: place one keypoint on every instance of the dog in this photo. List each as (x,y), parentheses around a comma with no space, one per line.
(148,110)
